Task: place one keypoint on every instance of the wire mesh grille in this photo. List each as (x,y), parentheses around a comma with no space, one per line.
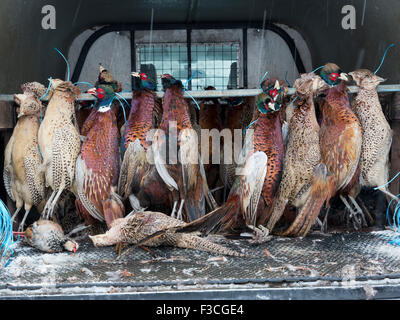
(214,65)
(337,257)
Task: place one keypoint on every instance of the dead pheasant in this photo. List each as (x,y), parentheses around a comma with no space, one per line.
(268,139)
(302,149)
(22,177)
(237,114)
(48,236)
(143,117)
(59,141)
(97,166)
(377,134)
(209,119)
(184,178)
(250,199)
(148,228)
(340,143)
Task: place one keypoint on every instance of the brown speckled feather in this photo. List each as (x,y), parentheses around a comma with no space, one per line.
(187,176)
(143,117)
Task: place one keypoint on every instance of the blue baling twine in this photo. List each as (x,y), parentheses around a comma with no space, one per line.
(123,108)
(120,102)
(84,82)
(262,79)
(396,222)
(244,132)
(384,185)
(197,105)
(6,233)
(66,61)
(191,78)
(47,91)
(187,82)
(396,213)
(317,69)
(293,101)
(127,103)
(383,59)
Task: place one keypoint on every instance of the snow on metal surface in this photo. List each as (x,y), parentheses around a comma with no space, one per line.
(341,259)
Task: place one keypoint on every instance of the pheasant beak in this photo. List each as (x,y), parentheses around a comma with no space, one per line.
(102,68)
(92,91)
(135,74)
(344,76)
(277,86)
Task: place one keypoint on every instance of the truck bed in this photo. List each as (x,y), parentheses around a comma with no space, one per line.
(343,265)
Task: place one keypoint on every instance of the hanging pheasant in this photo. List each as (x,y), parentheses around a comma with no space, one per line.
(97,167)
(136,169)
(340,143)
(250,199)
(59,141)
(377,134)
(302,149)
(210,119)
(237,114)
(184,177)
(23,179)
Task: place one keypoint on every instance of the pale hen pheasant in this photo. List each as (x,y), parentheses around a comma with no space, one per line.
(152,225)
(59,141)
(22,178)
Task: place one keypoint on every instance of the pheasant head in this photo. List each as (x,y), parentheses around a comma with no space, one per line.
(106,78)
(366,79)
(167,81)
(28,102)
(272,97)
(104,93)
(332,74)
(142,81)
(310,84)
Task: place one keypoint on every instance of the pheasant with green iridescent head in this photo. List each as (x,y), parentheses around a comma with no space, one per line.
(144,116)
(182,172)
(97,167)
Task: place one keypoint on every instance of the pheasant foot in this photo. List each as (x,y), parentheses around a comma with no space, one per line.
(261,234)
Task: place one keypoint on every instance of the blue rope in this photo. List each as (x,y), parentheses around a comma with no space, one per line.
(84,82)
(293,101)
(66,61)
(396,222)
(127,103)
(198,107)
(262,79)
(191,78)
(6,233)
(244,132)
(317,69)
(47,91)
(383,59)
(382,186)
(122,106)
